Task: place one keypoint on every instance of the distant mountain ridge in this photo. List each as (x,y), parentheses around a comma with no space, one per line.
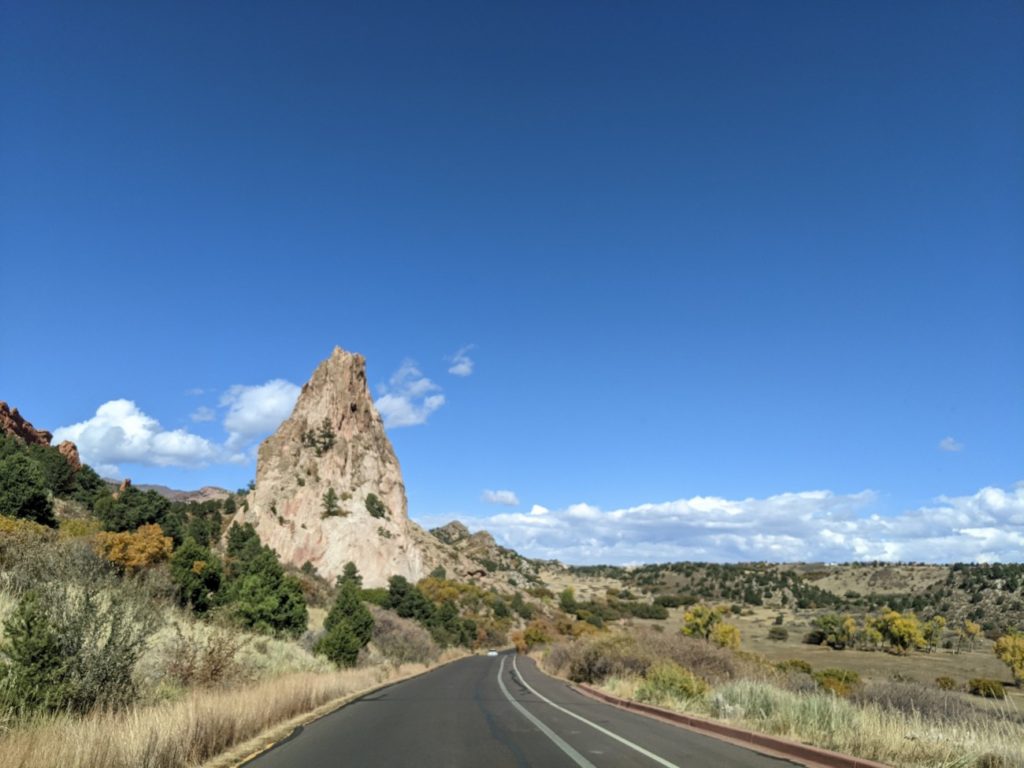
(206,493)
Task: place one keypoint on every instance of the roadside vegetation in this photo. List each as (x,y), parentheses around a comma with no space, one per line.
(896,722)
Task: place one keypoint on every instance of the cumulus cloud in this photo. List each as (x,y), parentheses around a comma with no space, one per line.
(507,498)
(408,398)
(462,363)
(987,526)
(121,432)
(202,413)
(950,444)
(254,411)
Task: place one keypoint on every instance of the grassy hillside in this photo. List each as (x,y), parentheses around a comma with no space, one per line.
(991,595)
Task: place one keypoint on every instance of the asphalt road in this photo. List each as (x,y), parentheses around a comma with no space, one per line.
(495,712)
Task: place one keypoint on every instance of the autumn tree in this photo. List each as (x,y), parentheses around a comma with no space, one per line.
(725,635)
(967,634)
(933,629)
(700,621)
(902,631)
(1010,650)
(133,550)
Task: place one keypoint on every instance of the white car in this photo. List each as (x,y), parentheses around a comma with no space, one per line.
(492,652)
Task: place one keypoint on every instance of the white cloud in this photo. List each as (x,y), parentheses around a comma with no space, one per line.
(508,498)
(202,413)
(254,411)
(805,526)
(950,444)
(408,398)
(462,363)
(121,432)
(194,391)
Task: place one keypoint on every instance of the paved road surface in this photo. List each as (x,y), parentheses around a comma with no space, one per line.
(493,712)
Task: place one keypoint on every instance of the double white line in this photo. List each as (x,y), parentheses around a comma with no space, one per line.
(579,759)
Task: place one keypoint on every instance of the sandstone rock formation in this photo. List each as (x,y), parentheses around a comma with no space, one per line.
(70,453)
(13,423)
(482,549)
(329,488)
(206,493)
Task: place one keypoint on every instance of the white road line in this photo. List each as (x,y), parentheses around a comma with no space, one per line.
(595,726)
(579,759)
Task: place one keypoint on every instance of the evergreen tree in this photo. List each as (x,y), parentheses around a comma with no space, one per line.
(330,503)
(259,594)
(407,600)
(375,506)
(349,625)
(131,509)
(351,573)
(23,490)
(197,573)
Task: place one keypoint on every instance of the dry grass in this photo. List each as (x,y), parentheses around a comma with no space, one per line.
(186,732)
(869,731)
(903,724)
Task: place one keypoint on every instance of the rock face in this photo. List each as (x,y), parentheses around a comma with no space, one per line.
(13,423)
(317,479)
(206,493)
(481,548)
(70,453)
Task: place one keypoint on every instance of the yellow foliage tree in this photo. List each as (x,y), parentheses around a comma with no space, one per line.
(1010,650)
(901,630)
(700,621)
(725,636)
(869,637)
(136,549)
(933,631)
(967,634)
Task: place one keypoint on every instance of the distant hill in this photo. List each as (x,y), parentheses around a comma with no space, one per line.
(206,493)
(992,595)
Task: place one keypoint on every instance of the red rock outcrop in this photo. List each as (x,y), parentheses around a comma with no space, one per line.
(70,453)
(13,423)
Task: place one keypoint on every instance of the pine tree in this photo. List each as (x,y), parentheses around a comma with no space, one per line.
(349,625)
(23,490)
(330,503)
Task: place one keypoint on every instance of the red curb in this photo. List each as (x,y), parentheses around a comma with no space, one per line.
(815,757)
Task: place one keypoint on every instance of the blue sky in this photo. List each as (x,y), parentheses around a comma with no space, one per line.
(739,252)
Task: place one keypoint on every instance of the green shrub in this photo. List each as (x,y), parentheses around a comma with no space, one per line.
(131,509)
(841,682)
(795,665)
(778,633)
(321,439)
(330,504)
(668,680)
(376,596)
(375,506)
(986,688)
(945,683)
(197,574)
(402,641)
(72,648)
